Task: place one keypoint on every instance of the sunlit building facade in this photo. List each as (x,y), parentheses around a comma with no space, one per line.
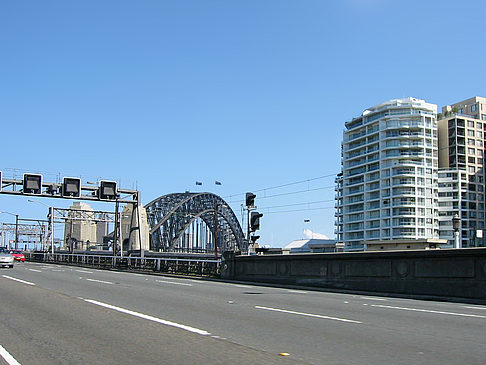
(461,174)
(388,187)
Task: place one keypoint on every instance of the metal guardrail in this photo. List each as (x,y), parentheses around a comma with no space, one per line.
(174,265)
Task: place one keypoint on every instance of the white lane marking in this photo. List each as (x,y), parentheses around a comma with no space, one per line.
(373,298)
(243,286)
(87,272)
(172,282)
(150,318)
(20,281)
(297,291)
(100,281)
(482,308)
(7,357)
(428,311)
(308,314)
(58,270)
(34,270)
(123,273)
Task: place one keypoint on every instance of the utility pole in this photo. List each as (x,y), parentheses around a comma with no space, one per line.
(51,222)
(16,231)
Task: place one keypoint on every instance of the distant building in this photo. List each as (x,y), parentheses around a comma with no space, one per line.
(388,245)
(311,245)
(80,228)
(130,237)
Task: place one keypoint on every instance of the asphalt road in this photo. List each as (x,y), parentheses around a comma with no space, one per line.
(53,314)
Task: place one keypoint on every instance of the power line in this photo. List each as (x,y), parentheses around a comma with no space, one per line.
(297,204)
(289,193)
(285,185)
(299,210)
(295,183)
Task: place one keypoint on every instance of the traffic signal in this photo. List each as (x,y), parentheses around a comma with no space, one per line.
(32,184)
(253,239)
(255,221)
(107,190)
(52,189)
(250,199)
(71,186)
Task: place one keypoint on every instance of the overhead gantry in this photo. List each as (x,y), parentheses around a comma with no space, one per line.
(192,223)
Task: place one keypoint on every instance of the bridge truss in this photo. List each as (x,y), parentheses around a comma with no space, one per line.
(192,223)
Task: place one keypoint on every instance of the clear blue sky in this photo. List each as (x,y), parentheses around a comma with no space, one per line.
(254,94)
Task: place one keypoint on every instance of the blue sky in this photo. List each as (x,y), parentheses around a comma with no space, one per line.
(254,94)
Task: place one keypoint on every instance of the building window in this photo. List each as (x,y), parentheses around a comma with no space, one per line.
(483,116)
(470,132)
(471,151)
(470,124)
(470,141)
(474,108)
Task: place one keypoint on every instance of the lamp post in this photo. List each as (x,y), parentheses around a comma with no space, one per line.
(51,221)
(308,221)
(456,225)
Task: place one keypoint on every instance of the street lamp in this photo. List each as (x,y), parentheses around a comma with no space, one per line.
(456,225)
(51,221)
(312,233)
(16,229)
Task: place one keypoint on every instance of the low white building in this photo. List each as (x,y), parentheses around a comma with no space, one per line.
(311,245)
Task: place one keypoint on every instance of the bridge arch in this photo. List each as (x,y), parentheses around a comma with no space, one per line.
(185,222)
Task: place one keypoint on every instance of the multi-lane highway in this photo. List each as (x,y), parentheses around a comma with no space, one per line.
(53,314)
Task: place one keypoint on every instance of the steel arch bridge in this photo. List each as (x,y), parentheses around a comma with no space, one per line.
(185,222)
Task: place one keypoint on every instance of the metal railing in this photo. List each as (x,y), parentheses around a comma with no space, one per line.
(173,265)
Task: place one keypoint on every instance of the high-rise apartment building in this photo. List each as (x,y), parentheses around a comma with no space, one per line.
(461,174)
(388,188)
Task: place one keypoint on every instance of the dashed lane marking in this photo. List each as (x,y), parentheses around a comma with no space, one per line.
(7,357)
(428,311)
(100,281)
(172,282)
(307,314)
(20,281)
(150,318)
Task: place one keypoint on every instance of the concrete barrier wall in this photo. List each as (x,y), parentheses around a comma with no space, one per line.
(448,274)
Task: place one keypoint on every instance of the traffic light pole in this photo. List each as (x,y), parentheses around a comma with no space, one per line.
(115,232)
(248,223)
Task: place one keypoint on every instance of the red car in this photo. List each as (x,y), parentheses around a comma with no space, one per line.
(18,255)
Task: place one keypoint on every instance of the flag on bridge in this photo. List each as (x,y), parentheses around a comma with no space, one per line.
(198,183)
(217,183)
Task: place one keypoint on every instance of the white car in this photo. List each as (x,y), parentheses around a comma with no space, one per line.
(6,259)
